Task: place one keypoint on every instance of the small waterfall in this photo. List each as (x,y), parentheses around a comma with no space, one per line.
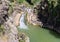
(22,24)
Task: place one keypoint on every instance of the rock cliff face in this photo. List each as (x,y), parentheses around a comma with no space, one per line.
(32,17)
(4,7)
(11,31)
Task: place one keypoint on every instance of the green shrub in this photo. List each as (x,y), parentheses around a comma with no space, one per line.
(2,29)
(20,1)
(11,0)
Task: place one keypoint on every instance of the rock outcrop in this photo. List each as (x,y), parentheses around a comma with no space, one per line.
(4,7)
(11,31)
(32,17)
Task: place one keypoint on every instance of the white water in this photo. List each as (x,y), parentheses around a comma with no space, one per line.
(22,24)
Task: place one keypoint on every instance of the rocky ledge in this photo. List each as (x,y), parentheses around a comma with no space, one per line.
(32,17)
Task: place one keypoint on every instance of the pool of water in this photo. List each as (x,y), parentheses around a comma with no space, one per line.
(37,34)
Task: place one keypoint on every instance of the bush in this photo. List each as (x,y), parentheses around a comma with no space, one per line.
(11,0)
(20,1)
(1,29)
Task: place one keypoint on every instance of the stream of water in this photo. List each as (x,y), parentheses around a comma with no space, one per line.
(22,24)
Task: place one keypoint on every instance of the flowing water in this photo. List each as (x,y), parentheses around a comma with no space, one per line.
(37,34)
(22,24)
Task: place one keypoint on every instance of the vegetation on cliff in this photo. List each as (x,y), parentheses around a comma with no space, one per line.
(49,14)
